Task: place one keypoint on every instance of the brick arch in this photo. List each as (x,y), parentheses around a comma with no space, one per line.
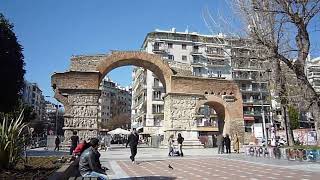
(148,61)
(220,106)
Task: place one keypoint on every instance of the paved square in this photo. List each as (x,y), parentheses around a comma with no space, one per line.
(211,168)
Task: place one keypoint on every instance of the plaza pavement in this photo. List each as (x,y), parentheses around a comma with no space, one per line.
(202,164)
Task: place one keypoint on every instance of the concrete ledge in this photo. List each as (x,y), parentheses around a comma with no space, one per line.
(66,171)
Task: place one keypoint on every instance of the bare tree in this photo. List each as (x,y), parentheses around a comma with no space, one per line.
(282,27)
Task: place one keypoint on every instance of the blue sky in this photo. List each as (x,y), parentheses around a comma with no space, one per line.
(52,31)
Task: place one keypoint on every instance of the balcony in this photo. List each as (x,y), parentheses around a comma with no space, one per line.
(243,77)
(252,113)
(159,48)
(198,63)
(157,113)
(254,90)
(214,53)
(196,52)
(314,75)
(255,102)
(216,63)
(157,86)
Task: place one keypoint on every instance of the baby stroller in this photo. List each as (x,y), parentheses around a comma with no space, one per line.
(175,151)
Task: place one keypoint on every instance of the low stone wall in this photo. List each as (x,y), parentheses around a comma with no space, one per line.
(66,171)
(293,154)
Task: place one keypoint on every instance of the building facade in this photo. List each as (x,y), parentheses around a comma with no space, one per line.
(313,72)
(210,56)
(32,96)
(114,101)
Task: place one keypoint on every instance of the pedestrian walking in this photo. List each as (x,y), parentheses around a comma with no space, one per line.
(180,140)
(74,141)
(170,145)
(220,144)
(133,141)
(227,143)
(57,142)
(236,143)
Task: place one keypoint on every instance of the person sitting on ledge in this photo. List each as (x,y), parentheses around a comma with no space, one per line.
(81,147)
(89,164)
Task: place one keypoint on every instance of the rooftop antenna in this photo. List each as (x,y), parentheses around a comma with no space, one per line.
(187,30)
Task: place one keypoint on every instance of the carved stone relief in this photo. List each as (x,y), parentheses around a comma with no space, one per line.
(84,111)
(83,134)
(80,122)
(83,99)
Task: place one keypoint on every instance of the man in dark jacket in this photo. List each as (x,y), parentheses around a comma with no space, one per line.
(74,142)
(57,142)
(133,141)
(227,143)
(89,164)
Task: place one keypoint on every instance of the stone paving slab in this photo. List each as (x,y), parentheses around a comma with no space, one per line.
(210,168)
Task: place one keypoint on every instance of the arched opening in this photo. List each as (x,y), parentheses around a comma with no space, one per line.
(150,81)
(151,62)
(210,118)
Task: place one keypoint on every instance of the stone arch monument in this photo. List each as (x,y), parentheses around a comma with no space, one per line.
(78,90)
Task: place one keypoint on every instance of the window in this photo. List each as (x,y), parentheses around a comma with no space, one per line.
(219,73)
(170,45)
(157,108)
(184,46)
(156,82)
(184,58)
(195,48)
(157,94)
(171,57)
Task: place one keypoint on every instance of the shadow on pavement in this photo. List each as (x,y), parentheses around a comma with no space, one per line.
(150,177)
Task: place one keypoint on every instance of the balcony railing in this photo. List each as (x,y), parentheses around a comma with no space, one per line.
(254,90)
(256,101)
(198,63)
(216,63)
(159,49)
(253,113)
(156,86)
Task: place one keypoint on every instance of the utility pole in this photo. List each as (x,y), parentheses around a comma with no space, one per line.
(265,136)
(273,128)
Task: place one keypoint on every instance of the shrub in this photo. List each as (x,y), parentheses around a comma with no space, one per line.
(13,133)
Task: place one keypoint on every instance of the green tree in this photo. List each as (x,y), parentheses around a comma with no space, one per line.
(12,67)
(294,118)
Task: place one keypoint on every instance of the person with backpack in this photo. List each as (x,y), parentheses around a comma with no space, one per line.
(180,140)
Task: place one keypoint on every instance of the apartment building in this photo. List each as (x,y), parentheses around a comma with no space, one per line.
(114,100)
(209,56)
(32,96)
(313,72)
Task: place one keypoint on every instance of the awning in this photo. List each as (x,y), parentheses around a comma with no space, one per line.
(248,118)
